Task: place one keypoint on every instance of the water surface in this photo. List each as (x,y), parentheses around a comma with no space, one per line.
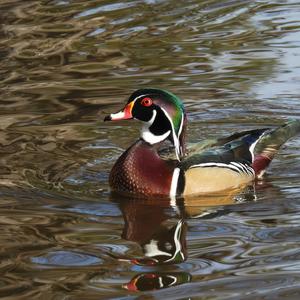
(64,65)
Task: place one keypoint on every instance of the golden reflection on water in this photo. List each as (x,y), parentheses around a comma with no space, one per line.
(63,65)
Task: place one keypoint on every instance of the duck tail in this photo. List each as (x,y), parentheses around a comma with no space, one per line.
(269,144)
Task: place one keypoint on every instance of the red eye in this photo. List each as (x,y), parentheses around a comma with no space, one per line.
(147,101)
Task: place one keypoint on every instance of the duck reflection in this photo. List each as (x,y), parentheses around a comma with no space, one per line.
(161,233)
(147,225)
(159,227)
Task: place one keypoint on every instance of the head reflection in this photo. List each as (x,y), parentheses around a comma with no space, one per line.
(155,281)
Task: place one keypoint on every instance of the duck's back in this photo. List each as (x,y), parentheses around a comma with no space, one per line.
(218,169)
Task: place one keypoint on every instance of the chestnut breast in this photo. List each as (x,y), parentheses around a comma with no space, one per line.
(140,170)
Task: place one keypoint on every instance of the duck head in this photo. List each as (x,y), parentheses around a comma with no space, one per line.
(161,112)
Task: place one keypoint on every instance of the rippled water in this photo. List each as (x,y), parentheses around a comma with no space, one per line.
(64,64)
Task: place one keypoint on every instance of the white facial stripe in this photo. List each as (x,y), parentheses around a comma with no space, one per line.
(140,96)
(181,124)
(175,138)
(150,122)
(180,130)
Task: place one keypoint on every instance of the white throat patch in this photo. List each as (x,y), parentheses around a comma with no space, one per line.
(148,136)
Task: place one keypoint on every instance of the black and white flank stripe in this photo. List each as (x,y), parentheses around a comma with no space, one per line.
(238,167)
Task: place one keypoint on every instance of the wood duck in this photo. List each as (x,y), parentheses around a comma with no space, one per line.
(213,167)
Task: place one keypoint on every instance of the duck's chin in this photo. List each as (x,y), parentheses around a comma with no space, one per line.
(151,138)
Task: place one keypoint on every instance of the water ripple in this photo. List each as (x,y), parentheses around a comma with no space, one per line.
(64,259)
(64,65)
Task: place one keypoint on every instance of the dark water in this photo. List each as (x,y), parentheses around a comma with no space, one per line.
(63,65)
